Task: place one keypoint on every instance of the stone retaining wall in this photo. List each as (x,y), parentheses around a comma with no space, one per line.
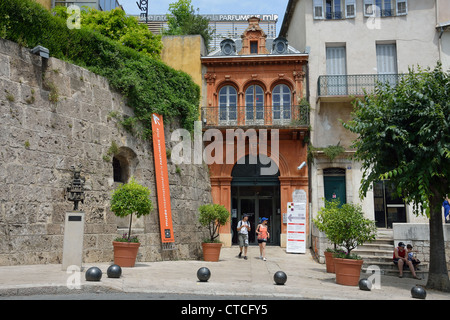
(54,115)
(418,235)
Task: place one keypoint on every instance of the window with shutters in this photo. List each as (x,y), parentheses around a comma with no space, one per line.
(334,9)
(385,8)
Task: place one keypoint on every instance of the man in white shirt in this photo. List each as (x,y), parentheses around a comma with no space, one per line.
(243,228)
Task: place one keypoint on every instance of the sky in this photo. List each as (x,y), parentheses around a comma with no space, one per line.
(215,7)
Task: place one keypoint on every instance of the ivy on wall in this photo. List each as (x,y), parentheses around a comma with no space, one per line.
(148,84)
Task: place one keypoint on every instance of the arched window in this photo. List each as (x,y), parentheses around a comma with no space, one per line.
(227,103)
(254,103)
(281,102)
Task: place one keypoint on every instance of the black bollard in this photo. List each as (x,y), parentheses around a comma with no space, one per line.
(114,271)
(280,277)
(93,274)
(203,274)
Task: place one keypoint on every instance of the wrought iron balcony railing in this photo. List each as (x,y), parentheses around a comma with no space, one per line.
(353,85)
(256,116)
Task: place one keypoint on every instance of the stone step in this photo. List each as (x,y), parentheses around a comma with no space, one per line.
(392,270)
(389,268)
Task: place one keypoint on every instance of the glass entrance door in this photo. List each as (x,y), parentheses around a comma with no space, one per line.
(389,208)
(259,205)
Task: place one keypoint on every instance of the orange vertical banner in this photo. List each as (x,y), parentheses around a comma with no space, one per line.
(162,181)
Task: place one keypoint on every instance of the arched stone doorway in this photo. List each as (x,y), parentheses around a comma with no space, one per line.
(256,195)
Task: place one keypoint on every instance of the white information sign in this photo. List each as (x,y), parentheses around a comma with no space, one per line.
(296,227)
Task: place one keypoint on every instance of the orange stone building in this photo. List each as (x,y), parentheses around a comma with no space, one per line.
(255,96)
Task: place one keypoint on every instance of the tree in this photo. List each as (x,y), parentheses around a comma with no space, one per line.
(213,216)
(182,20)
(404,135)
(131,198)
(345,225)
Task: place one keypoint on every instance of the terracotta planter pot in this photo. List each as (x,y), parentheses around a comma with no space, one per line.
(211,251)
(347,271)
(329,261)
(125,253)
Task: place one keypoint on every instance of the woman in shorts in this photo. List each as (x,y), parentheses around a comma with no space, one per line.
(263,236)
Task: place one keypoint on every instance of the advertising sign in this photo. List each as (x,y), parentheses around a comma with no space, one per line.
(162,181)
(296,227)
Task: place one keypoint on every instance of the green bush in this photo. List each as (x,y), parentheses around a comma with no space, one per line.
(148,84)
(131,198)
(213,216)
(345,226)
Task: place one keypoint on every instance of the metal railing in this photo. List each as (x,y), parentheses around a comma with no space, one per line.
(256,116)
(353,85)
(103,5)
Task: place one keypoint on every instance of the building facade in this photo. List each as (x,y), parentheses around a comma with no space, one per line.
(254,110)
(353,44)
(102,5)
(224,26)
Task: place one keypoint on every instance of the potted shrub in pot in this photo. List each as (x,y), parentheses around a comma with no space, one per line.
(128,199)
(212,216)
(324,223)
(349,230)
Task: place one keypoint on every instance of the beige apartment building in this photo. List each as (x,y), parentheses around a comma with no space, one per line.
(352,44)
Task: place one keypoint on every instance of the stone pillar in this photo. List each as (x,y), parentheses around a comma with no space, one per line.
(73,239)
(221,194)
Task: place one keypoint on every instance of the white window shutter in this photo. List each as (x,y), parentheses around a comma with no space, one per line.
(402,7)
(369,8)
(318,9)
(350,8)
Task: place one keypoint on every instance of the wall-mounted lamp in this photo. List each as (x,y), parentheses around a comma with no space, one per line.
(41,51)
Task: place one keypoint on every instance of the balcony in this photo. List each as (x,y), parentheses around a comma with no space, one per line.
(102,5)
(353,85)
(256,117)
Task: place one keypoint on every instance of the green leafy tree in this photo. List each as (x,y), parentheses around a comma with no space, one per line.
(131,198)
(115,25)
(213,216)
(182,20)
(404,136)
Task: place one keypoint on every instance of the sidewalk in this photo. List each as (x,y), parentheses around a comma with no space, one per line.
(306,279)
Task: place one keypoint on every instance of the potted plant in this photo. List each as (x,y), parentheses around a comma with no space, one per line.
(212,216)
(350,229)
(128,199)
(324,223)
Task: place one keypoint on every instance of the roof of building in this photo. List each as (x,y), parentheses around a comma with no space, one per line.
(238,43)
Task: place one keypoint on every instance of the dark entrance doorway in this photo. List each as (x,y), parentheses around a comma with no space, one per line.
(256,195)
(389,208)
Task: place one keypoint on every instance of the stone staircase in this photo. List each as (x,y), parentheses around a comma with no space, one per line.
(379,253)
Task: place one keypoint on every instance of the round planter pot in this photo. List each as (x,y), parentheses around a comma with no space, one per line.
(347,271)
(211,251)
(329,261)
(125,253)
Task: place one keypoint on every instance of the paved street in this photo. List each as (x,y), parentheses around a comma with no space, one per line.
(306,279)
